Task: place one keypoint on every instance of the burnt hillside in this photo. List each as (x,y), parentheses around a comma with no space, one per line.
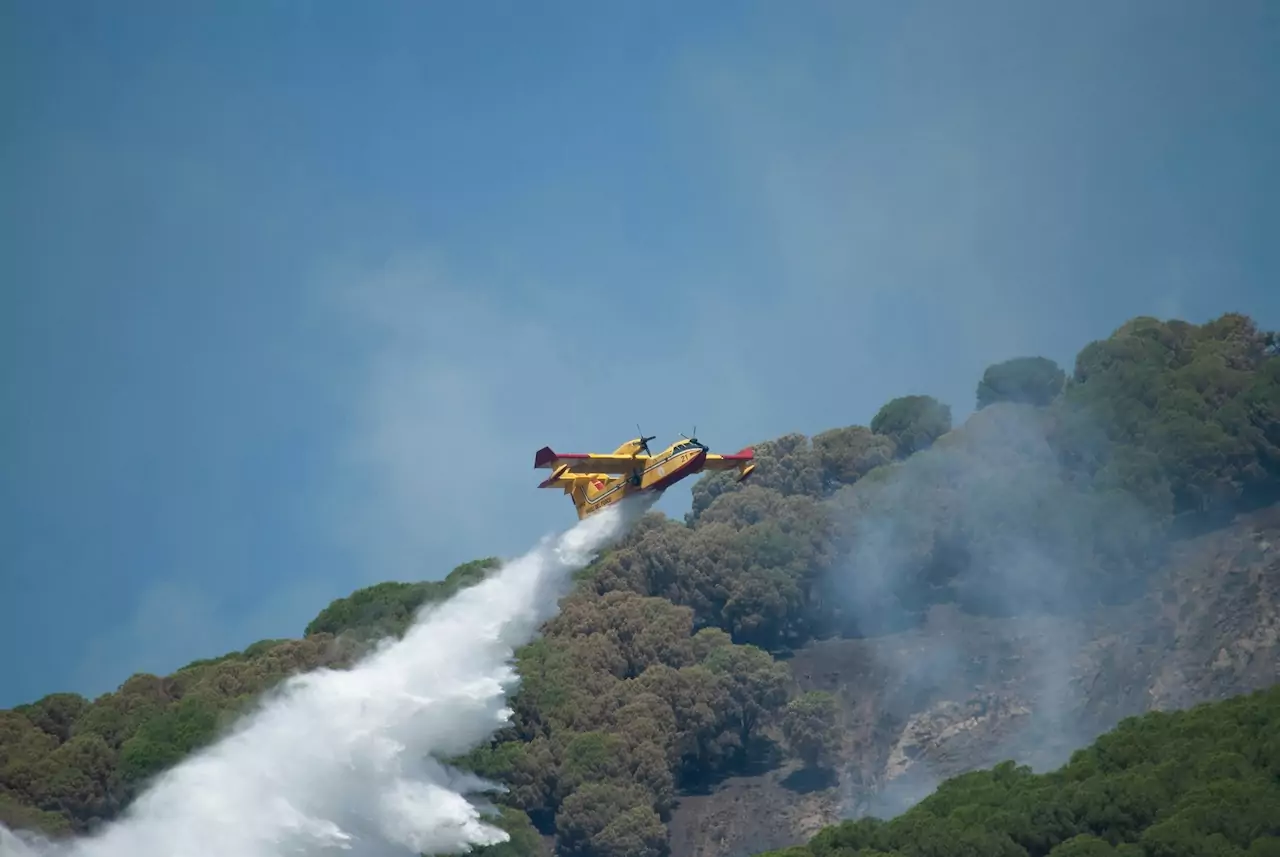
(962,692)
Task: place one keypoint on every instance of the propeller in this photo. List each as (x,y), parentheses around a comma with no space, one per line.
(691,438)
(644,441)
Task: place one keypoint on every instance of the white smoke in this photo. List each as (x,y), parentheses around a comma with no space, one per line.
(346,760)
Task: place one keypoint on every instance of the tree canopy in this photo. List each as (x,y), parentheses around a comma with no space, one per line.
(912,422)
(1023,380)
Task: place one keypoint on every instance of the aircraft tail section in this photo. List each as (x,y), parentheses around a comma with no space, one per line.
(579,493)
(582,488)
(560,476)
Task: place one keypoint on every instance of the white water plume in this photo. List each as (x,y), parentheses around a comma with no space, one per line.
(346,760)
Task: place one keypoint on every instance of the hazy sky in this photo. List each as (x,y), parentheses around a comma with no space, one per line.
(292,292)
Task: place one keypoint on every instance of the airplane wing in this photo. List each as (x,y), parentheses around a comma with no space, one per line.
(743,460)
(728,462)
(586,462)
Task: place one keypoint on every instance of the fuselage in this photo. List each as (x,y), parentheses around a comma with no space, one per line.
(655,474)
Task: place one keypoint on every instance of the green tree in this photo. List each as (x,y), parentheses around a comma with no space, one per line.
(788,464)
(810,724)
(586,817)
(1084,845)
(1024,380)
(387,609)
(1198,404)
(847,454)
(756,686)
(913,423)
(164,740)
(644,630)
(55,713)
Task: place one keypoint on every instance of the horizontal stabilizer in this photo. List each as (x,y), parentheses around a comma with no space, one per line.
(555,477)
(546,457)
(743,460)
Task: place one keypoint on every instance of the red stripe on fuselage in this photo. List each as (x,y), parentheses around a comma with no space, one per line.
(688,468)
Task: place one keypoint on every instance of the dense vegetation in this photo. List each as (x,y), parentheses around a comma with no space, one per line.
(660,671)
(1200,782)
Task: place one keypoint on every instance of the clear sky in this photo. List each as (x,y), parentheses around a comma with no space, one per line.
(293,291)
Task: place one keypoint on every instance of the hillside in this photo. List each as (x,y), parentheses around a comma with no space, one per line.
(963,691)
(881,607)
(1203,781)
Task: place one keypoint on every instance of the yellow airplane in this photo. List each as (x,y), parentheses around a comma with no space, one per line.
(596,480)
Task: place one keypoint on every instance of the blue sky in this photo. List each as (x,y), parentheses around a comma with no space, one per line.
(293,291)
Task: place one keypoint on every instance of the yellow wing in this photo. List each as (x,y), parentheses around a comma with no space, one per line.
(743,460)
(728,462)
(587,462)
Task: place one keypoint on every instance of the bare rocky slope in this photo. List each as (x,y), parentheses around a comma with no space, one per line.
(964,692)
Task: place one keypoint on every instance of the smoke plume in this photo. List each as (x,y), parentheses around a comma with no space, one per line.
(977,572)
